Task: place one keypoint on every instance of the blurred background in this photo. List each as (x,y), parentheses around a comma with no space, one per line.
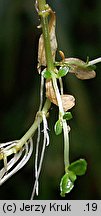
(79,35)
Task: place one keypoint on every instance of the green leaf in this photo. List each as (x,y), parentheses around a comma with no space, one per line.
(72,176)
(66,185)
(67,115)
(62,71)
(91,67)
(79,167)
(58,127)
(46,74)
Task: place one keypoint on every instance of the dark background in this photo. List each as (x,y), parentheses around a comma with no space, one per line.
(79,35)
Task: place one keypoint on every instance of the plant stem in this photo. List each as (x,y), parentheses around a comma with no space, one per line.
(51,68)
(34,126)
(45,30)
(44,12)
(58,96)
(66,145)
(95,61)
(41,4)
(48,52)
(29,133)
(65,127)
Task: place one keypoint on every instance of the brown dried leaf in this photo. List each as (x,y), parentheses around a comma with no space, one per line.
(53,41)
(78,67)
(85,74)
(50,93)
(68,101)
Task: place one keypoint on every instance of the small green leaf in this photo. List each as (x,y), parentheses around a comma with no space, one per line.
(79,167)
(46,74)
(58,127)
(62,71)
(66,185)
(67,115)
(72,176)
(91,67)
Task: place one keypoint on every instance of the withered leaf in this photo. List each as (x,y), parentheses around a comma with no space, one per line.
(53,42)
(50,91)
(68,101)
(80,69)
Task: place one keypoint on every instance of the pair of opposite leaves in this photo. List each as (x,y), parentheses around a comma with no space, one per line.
(76,66)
